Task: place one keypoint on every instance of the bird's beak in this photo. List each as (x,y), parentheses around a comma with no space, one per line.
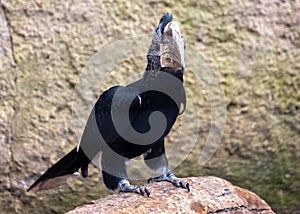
(166,19)
(172,47)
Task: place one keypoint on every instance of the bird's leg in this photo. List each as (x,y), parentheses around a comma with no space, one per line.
(115,176)
(122,184)
(156,159)
(170,177)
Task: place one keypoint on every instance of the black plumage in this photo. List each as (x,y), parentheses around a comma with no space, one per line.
(124,122)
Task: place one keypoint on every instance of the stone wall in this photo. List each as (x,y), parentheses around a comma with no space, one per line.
(254,47)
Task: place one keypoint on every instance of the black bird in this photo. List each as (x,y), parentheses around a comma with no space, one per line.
(128,121)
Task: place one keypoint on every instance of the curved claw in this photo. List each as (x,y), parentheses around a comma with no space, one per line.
(188,187)
(170,177)
(185,185)
(125,186)
(142,190)
(147,192)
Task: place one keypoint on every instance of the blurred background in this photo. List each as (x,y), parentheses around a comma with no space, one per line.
(253,46)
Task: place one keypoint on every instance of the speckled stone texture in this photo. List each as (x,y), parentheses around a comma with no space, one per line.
(208,195)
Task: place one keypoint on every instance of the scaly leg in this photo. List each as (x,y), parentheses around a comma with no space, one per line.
(156,159)
(115,176)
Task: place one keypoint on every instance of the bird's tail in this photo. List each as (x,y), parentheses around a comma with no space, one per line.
(62,170)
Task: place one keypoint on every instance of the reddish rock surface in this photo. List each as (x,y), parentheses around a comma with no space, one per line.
(208,195)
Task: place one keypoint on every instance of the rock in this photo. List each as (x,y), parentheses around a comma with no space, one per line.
(208,195)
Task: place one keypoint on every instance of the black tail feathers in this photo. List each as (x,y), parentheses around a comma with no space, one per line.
(65,168)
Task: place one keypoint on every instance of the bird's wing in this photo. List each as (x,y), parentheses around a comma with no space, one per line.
(117,106)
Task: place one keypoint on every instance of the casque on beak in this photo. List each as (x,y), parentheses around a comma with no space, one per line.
(172,47)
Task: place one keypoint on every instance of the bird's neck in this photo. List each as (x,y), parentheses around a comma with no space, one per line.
(154,70)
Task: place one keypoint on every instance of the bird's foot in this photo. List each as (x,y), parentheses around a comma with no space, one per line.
(170,177)
(125,186)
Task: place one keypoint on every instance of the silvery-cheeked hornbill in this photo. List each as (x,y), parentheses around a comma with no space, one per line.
(133,120)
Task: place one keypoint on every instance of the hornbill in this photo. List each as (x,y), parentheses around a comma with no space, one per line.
(133,120)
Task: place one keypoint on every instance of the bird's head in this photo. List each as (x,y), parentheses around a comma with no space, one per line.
(167,49)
